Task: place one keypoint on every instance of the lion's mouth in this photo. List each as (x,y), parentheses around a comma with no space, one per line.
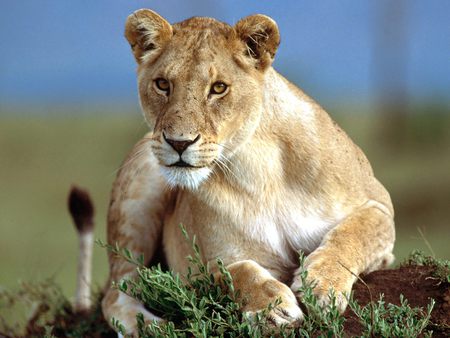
(182,164)
(183,174)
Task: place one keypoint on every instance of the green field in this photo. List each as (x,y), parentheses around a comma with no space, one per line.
(40,157)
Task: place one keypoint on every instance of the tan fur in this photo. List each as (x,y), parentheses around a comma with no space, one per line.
(271,175)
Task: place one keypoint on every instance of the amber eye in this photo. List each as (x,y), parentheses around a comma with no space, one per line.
(218,88)
(162,84)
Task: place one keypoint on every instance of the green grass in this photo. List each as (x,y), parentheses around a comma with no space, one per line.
(40,157)
(389,320)
(198,307)
(441,267)
(46,310)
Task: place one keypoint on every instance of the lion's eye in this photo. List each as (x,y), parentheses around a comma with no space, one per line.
(162,84)
(218,88)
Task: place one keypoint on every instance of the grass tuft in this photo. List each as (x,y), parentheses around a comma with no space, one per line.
(192,306)
(441,267)
(48,313)
(196,306)
(389,320)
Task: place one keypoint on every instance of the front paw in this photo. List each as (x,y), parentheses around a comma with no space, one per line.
(285,312)
(331,282)
(258,289)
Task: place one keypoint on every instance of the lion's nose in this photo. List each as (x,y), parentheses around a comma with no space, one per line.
(180,145)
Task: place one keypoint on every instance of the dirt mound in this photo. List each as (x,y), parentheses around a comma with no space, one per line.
(416,283)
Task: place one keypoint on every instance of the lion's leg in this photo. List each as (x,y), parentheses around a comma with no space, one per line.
(257,289)
(362,243)
(135,216)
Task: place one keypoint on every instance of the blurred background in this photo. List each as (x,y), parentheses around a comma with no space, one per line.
(69,110)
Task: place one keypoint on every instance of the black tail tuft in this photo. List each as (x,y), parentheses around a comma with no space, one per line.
(81,209)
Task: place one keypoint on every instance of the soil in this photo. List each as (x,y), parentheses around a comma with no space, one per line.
(415,283)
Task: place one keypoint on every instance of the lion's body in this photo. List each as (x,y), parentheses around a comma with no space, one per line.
(272,175)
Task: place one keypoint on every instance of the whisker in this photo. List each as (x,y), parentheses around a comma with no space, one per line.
(229,174)
(214,169)
(221,168)
(228,161)
(225,147)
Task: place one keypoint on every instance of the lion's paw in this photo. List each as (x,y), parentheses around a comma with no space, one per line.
(282,315)
(258,289)
(285,311)
(332,284)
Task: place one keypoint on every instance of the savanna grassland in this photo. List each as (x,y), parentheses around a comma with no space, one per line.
(41,156)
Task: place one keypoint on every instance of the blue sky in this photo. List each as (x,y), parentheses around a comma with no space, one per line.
(54,51)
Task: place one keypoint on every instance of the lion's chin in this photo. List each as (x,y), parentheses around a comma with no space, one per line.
(185,177)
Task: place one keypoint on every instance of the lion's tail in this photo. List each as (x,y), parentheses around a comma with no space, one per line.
(82,211)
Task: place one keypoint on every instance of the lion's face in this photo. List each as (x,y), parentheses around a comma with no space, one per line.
(200,90)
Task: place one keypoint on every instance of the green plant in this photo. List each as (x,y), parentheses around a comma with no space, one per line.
(48,313)
(326,322)
(389,320)
(48,332)
(37,303)
(196,306)
(441,267)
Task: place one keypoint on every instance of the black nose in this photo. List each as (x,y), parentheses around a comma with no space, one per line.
(180,146)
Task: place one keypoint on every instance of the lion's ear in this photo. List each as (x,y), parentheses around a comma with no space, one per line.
(147,32)
(261,37)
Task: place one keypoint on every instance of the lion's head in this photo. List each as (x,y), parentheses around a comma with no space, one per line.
(200,86)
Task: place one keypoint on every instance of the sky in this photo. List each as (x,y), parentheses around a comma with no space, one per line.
(55,52)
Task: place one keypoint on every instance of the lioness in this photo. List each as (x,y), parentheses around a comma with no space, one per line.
(249,164)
